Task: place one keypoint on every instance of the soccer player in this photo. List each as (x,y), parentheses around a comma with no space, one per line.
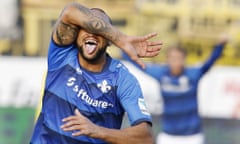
(179,84)
(87,92)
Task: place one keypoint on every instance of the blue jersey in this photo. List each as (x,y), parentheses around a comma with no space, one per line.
(180,106)
(102,97)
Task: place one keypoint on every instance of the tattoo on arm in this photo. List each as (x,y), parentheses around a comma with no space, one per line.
(97,24)
(66,33)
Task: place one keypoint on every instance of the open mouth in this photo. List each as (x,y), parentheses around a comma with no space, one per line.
(91,42)
(91,45)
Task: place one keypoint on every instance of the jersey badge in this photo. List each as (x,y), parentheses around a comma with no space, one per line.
(104,86)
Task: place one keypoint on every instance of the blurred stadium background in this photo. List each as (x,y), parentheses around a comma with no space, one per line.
(25,29)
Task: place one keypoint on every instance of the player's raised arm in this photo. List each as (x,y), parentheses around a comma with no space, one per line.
(76,16)
(216,53)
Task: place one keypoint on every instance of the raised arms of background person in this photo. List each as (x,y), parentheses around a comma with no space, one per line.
(138,134)
(76,16)
(217,52)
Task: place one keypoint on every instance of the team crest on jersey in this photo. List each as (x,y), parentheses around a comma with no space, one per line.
(104,86)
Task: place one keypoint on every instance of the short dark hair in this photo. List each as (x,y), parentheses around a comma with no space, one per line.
(101,10)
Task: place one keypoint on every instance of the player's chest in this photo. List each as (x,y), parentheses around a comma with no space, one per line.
(81,88)
(177,84)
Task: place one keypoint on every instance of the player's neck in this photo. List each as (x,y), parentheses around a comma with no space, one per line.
(176,72)
(92,66)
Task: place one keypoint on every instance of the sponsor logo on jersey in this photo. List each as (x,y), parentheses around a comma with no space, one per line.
(179,85)
(79,71)
(83,95)
(142,106)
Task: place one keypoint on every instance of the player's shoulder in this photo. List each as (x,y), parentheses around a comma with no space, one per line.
(118,66)
(193,68)
(61,52)
(193,71)
(121,70)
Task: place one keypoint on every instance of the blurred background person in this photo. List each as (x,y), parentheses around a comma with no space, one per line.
(9,19)
(181,122)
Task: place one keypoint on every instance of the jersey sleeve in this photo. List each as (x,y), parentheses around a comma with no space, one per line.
(131,99)
(59,55)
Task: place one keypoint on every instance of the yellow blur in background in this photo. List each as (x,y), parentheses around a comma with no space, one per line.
(195,24)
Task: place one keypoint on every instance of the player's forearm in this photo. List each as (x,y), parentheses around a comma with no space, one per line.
(83,17)
(140,134)
(217,52)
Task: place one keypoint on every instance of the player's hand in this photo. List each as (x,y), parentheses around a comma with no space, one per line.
(79,124)
(224,39)
(140,46)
